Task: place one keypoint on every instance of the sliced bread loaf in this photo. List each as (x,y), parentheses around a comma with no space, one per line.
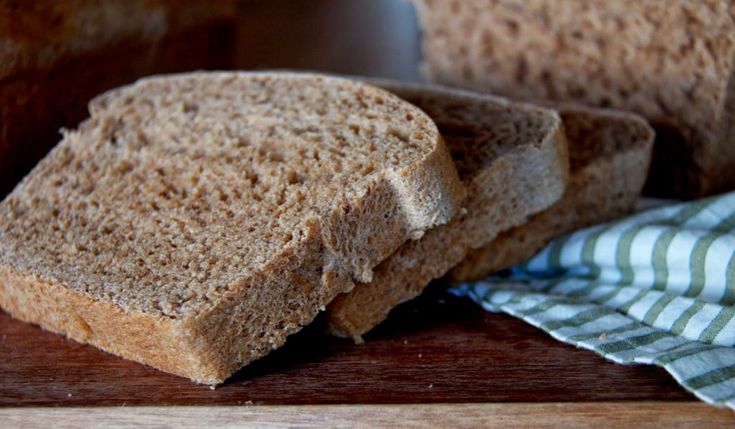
(512,159)
(610,152)
(672,61)
(194,221)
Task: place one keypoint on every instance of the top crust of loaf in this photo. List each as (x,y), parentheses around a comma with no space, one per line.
(597,135)
(180,189)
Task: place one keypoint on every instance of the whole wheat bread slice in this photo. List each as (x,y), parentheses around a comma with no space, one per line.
(511,158)
(672,61)
(610,152)
(194,221)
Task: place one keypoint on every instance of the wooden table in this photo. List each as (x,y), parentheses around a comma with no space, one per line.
(438,361)
(450,360)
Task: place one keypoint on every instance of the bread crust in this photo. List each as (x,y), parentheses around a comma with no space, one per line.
(601,187)
(504,187)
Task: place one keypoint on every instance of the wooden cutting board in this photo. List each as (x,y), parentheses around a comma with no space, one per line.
(435,350)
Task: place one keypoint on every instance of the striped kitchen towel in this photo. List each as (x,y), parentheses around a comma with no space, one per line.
(656,288)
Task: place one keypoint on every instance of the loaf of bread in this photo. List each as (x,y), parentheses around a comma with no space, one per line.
(610,152)
(196,220)
(56,55)
(671,61)
(512,159)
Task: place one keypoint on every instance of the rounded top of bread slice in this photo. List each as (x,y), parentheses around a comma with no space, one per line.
(477,128)
(600,134)
(178,187)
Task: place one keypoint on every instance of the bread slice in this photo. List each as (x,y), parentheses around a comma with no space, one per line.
(671,61)
(196,220)
(512,159)
(610,152)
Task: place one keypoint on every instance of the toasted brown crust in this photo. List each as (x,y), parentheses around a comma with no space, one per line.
(242,320)
(603,185)
(671,61)
(504,187)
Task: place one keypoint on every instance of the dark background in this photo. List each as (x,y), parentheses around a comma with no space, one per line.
(366,37)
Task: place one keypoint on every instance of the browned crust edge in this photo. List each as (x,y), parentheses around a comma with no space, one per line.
(589,187)
(396,280)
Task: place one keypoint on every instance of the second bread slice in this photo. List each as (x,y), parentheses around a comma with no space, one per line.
(512,159)
(610,153)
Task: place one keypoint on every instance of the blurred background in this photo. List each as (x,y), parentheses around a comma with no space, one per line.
(366,37)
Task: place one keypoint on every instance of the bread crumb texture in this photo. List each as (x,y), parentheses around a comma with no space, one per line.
(228,207)
(511,158)
(671,61)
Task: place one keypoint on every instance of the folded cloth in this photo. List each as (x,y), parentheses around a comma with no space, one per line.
(655,288)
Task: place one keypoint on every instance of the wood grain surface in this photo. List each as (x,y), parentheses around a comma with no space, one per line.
(437,349)
(623,415)
(453,364)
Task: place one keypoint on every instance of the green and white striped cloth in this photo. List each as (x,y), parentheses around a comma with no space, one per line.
(656,288)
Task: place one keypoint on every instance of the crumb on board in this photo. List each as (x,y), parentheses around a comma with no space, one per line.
(431,386)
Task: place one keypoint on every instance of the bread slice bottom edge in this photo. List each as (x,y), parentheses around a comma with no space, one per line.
(206,348)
